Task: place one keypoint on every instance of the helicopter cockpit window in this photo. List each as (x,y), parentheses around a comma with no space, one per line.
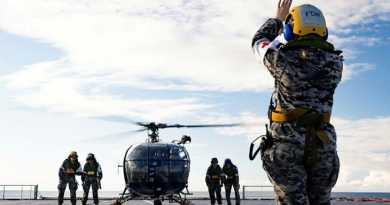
(158,163)
(177,152)
(174,154)
(138,171)
(139,152)
(158,152)
(137,163)
(183,154)
(179,164)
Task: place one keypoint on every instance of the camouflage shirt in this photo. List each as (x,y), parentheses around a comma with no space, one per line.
(304,77)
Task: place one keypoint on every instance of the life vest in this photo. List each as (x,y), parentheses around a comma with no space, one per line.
(230,174)
(91,170)
(215,173)
(70,166)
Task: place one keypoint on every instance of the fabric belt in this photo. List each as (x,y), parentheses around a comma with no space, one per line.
(312,122)
(286,116)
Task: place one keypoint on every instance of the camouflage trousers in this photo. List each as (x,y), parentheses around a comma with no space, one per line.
(294,182)
(87,185)
(228,190)
(71,180)
(215,190)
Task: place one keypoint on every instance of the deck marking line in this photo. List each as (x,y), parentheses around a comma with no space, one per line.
(149,202)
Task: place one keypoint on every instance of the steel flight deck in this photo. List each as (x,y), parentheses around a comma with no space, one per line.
(148,202)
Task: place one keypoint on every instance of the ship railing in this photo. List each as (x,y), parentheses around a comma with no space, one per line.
(257,192)
(27,192)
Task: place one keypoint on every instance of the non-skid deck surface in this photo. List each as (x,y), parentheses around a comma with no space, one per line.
(147,202)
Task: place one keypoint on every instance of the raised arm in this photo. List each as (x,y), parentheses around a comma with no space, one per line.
(268,38)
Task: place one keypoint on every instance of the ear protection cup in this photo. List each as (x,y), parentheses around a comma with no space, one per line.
(288,32)
(326,35)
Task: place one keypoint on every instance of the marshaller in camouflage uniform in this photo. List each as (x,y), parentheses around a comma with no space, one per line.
(69,168)
(232,181)
(214,177)
(301,160)
(92,177)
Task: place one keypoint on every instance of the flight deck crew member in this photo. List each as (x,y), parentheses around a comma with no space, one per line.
(175,154)
(69,168)
(213,180)
(301,160)
(92,177)
(232,180)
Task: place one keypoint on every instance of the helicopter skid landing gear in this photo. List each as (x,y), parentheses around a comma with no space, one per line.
(180,200)
(124,198)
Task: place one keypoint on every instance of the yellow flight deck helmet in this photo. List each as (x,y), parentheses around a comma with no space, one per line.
(307,19)
(73,153)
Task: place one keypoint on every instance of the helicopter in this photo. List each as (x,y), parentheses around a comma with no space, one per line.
(156,169)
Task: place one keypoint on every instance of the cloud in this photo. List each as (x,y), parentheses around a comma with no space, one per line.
(46,85)
(352,70)
(353,41)
(350,53)
(189,42)
(196,145)
(363,135)
(252,124)
(342,16)
(163,45)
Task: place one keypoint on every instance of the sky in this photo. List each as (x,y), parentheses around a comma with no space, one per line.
(68,67)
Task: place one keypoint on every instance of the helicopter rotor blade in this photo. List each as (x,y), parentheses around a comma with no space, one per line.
(113,137)
(145,124)
(201,126)
(116,118)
